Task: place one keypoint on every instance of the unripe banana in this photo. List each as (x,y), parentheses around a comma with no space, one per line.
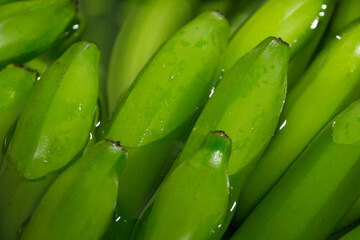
(147,26)
(153,119)
(329,85)
(80,203)
(16,84)
(193,200)
(52,130)
(30,27)
(316,191)
(297,22)
(236,107)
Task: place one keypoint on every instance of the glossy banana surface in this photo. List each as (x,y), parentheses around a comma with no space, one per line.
(194,198)
(30,27)
(153,119)
(317,190)
(148,24)
(16,85)
(52,130)
(296,22)
(80,203)
(329,85)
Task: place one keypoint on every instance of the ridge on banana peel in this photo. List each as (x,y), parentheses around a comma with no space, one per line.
(317,190)
(16,85)
(261,72)
(193,199)
(80,203)
(300,23)
(52,131)
(153,120)
(147,25)
(330,84)
(29,27)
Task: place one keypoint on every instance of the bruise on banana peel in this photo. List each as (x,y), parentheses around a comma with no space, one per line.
(52,131)
(153,119)
(318,189)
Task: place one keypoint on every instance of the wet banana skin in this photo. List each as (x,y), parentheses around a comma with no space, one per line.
(193,199)
(53,130)
(30,27)
(185,67)
(140,38)
(16,85)
(321,93)
(80,203)
(325,175)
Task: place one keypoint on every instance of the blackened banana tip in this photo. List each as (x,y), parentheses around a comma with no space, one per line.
(282,41)
(116,144)
(220,133)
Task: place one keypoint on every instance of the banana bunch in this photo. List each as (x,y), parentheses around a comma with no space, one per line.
(155,119)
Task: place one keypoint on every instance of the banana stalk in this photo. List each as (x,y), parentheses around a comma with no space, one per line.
(147,26)
(16,85)
(153,119)
(194,198)
(30,27)
(296,22)
(317,190)
(325,89)
(52,130)
(80,203)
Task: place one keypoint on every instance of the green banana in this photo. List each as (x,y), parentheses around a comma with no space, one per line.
(350,217)
(317,190)
(194,198)
(153,120)
(52,130)
(297,22)
(352,235)
(30,27)
(80,203)
(236,108)
(16,84)
(71,35)
(244,10)
(329,85)
(146,27)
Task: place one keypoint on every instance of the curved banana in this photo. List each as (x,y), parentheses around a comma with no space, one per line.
(52,130)
(16,85)
(325,89)
(297,22)
(317,190)
(147,26)
(30,27)
(80,203)
(193,199)
(153,120)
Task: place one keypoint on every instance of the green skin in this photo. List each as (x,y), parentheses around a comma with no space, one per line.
(153,116)
(352,235)
(296,22)
(244,10)
(262,72)
(16,85)
(80,203)
(52,130)
(350,217)
(318,188)
(180,210)
(30,27)
(147,26)
(329,85)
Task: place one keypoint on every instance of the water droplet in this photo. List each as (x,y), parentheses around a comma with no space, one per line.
(97,124)
(212,92)
(323,7)
(315,23)
(76,26)
(321,14)
(338,37)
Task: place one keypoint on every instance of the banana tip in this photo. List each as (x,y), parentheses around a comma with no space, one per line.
(116,144)
(220,133)
(282,41)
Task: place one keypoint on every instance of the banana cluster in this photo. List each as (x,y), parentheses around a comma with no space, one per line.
(181,119)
